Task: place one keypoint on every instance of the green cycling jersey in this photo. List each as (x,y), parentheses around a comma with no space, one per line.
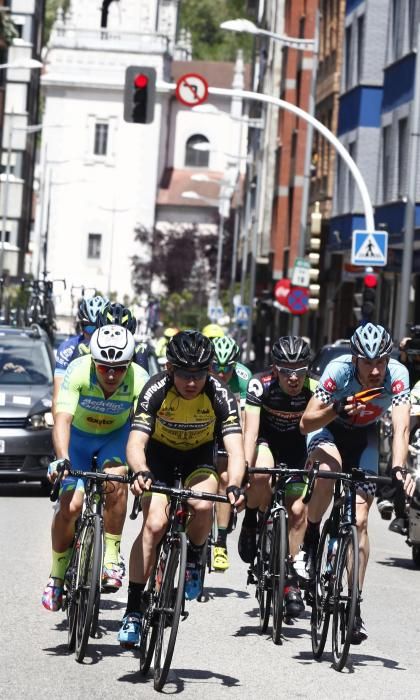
(238,382)
(81,395)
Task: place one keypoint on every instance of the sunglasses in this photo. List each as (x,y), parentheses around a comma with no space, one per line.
(288,371)
(221,369)
(116,369)
(196,376)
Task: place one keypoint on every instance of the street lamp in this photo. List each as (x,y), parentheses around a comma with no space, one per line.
(246,26)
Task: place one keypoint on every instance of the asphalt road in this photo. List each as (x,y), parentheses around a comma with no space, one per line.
(219,652)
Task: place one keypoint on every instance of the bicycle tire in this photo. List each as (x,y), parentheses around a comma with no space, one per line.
(88,582)
(205,562)
(278,571)
(345,596)
(95,617)
(71,595)
(171,600)
(148,627)
(263,589)
(321,607)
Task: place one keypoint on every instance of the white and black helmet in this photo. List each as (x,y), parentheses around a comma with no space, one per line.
(112,344)
(371,341)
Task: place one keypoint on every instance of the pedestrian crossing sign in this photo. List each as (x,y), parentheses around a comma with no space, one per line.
(369,248)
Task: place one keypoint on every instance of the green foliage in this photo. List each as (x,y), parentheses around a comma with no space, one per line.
(51,8)
(203,18)
(8,31)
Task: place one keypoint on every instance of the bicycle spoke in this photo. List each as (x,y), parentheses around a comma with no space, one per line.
(345,596)
(320,617)
(278,571)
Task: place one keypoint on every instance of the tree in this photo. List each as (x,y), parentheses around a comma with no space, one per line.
(203,18)
(51,8)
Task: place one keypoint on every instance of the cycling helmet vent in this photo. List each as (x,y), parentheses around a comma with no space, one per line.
(371,341)
(112,344)
(117,314)
(226,350)
(190,349)
(290,348)
(90,308)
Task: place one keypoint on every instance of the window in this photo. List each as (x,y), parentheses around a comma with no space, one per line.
(412,24)
(196,158)
(101,139)
(360,46)
(351,180)
(94,246)
(397,28)
(348,75)
(402,156)
(386,163)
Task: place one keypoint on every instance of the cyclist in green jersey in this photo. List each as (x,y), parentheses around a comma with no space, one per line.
(226,367)
(94,407)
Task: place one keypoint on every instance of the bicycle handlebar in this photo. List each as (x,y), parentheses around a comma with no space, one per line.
(354,476)
(93,476)
(283,470)
(183,494)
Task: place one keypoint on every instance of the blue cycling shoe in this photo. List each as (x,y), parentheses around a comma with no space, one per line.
(192,581)
(129,634)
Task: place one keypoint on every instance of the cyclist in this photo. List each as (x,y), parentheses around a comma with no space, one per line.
(213,330)
(275,402)
(93,410)
(118,314)
(342,430)
(226,367)
(174,426)
(77,345)
(162,344)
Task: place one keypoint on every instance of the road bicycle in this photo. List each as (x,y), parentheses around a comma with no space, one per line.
(164,595)
(336,585)
(272,563)
(82,582)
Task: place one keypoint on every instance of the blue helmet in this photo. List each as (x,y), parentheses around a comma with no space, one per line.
(371,341)
(90,308)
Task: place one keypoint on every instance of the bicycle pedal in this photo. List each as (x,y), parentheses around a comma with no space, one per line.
(184,615)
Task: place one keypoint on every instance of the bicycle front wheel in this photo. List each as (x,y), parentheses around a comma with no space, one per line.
(149,628)
(88,582)
(169,608)
(71,595)
(320,617)
(263,591)
(278,571)
(345,596)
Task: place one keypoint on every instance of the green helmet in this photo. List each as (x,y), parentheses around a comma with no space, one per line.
(226,350)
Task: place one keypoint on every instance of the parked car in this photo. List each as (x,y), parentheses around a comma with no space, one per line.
(26,381)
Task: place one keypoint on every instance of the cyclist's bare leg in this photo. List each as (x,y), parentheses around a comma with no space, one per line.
(63,524)
(363,504)
(259,492)
(116,502)
(330,460)
(297,523)
(143,551)
(202,519)
(223,510)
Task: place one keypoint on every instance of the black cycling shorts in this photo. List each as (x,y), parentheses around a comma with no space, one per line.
(164,461)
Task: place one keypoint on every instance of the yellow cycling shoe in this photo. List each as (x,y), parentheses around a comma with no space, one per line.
(220,559)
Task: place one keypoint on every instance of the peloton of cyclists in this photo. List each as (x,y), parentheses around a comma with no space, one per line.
(341,431)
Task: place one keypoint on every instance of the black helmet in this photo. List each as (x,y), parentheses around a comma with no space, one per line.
(116,314)
(290,348)
(190,349)
(90,308)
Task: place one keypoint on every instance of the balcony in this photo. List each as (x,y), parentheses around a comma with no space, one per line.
(68,37)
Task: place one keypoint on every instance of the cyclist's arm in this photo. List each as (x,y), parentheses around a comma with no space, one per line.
(316,415)
(251,429)
(401,432)
(136,451)
(58,380)
(236,459)
(61,434)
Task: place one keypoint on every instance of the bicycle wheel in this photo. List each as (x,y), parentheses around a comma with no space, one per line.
(171,599)
(345,595)
(278,571)
(205,562)
(263,590)
(71,595)
(88,582)
(321,611)
(149,627)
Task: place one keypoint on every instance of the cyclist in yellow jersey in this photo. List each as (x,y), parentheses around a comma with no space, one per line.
(177,416)
(93,411)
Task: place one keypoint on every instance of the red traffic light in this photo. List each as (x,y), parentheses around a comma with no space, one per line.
(370,280)
(141,80)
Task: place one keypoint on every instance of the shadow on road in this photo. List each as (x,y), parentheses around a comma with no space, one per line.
(22,490)
(178,677)
(354,661)
(212,593)
(397,561)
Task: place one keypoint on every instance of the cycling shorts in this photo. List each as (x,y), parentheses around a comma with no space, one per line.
(163,461)
(359,448)
(295,459)
(109,447)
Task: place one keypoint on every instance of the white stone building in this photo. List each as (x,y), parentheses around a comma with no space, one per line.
(102,177)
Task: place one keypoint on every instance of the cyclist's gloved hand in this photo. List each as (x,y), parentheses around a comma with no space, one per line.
(55,467)
(141,481)
(235,495)
(401,476)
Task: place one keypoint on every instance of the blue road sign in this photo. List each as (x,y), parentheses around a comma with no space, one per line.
(298,300)
(369,248)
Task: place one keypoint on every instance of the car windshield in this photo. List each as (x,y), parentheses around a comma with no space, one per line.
(24,361)
(325,355)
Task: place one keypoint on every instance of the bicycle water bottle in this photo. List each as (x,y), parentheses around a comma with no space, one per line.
(332,550)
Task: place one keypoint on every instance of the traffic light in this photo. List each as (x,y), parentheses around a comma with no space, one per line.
(370,282)
(139,94)
(314,248)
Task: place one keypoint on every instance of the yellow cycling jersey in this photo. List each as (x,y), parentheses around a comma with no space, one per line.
(82,396)
(185,423)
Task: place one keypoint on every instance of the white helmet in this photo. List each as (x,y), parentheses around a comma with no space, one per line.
(112,344)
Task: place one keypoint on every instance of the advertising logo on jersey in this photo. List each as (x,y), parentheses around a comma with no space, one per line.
(397,386)
(330,385)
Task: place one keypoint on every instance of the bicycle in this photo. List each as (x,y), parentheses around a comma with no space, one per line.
(336,586)
(272,563)
(82,582)
(164,594)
